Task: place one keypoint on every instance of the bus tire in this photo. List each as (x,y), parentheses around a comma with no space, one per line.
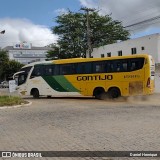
(114,93)
(98,93)
(35,93)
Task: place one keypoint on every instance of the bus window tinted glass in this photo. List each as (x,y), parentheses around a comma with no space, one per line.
(67,69)
(56,69)
(124,66)
(136,64)
(22,78)
(109,67)
(98,67)
(49,70)
(38,71)
(26,69)
(84,68)
(118,67)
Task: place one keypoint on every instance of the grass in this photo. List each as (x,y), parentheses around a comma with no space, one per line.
(11,100)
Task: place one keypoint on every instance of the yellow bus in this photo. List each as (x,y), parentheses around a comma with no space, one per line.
(117,76)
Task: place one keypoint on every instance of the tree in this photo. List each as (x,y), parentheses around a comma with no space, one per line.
(3,56)
(71,29)
(8,67)
(11,67)
(3,59)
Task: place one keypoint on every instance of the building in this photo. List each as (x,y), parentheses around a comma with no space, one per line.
(26,53)
(148,44)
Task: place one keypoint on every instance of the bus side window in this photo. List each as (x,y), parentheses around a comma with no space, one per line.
(49,70)
(74,68)
(137,64)
(133,66)
(109,67)
(84,68)
(118,67)
(67,69)
(56,69)
(37,71)
(64,69)
(98,67)
(125,66)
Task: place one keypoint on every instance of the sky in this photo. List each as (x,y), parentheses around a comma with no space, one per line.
(31,20)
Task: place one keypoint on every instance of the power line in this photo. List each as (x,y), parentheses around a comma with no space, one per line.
(146,8)
(143,26)
(140,17)
(150,7)
(143,22)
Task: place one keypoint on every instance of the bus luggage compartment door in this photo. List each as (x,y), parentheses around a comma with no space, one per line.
(135,88)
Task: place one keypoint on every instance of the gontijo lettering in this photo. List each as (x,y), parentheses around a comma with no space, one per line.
(95,77)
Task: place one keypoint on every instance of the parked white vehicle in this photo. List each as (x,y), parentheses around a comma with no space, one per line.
(4,84)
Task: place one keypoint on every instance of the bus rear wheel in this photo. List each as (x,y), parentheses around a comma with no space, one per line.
(114,93)
(99,93)
(35,93)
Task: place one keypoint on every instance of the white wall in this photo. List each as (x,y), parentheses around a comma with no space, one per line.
(26,56)
(151,44)
(10,55)
(158,48)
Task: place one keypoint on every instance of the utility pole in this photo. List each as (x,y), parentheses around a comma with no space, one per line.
(87,10)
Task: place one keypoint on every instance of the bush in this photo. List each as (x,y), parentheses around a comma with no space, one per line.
(10,100)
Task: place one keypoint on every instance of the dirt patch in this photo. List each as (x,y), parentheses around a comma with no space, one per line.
(144,100)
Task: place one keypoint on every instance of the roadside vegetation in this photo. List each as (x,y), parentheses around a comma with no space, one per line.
(8,67)
(11,100)
(71,29)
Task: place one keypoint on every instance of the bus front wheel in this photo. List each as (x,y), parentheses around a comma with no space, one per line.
(114,93)
(35,93)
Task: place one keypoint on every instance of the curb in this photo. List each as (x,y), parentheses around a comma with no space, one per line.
(17,106)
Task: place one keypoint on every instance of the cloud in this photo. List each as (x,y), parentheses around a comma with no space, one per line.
(88,3)
(129,11)
(20,30)
(61,11)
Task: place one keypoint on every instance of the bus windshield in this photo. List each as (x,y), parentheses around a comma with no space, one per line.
(21,76)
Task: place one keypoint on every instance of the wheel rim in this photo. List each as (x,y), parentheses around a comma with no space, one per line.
(114,93)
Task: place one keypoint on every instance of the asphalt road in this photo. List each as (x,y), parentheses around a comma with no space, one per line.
(82,124)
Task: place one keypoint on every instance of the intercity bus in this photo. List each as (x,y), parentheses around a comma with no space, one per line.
(115,76)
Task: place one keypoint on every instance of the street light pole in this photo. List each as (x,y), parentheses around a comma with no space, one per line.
(87,10)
